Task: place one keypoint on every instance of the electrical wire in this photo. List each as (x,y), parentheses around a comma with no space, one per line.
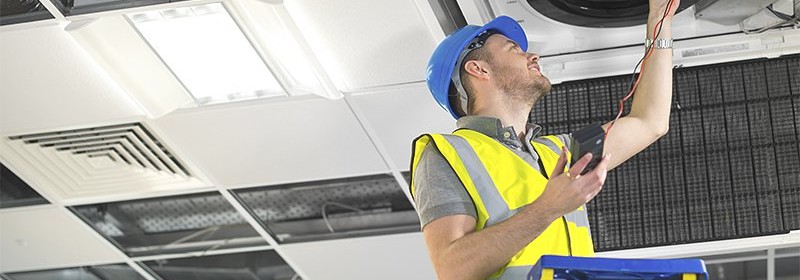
(782,15)
(794,19)
(633,84)
(341,205)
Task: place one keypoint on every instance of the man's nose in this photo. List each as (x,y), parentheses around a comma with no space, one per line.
(532,57)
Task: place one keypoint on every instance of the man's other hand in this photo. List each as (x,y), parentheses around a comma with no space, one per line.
(566,191)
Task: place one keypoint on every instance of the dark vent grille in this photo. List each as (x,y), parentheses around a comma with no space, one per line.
(80,7)
(130,143)
(728,168)
(14,192)
(19,11)
(176,224)
(341,208)
(100,272)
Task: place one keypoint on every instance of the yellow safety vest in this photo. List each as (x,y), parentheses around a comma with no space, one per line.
(500,183)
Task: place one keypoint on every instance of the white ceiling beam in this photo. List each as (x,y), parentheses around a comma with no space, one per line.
(251,219)
(53,10)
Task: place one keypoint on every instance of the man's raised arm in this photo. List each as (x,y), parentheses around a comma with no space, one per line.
(649,116)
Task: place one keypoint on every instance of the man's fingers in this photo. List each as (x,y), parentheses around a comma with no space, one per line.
(597,177)
(561,163)
(577,168)
(603,164)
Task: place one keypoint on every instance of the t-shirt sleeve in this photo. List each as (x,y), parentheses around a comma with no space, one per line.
(437,190)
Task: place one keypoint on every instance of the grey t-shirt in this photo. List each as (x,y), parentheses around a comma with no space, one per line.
(437,190)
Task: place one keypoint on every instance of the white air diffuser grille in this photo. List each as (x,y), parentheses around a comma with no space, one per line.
(100,161)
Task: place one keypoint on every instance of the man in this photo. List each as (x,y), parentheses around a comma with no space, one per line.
(494,196)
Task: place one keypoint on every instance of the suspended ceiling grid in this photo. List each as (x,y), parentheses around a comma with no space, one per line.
(51,83)
(56,85)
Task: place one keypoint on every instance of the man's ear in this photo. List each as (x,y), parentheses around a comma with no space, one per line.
(478,69)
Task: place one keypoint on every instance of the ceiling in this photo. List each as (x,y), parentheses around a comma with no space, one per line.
(53,82)
(85,71)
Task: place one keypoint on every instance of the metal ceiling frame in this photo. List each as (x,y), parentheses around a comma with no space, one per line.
(770,243)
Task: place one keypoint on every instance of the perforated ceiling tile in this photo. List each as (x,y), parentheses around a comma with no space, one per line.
(107,160)
(101,272)
(306,200)
(182,214)
(195,222)
(260,265)
(332,209)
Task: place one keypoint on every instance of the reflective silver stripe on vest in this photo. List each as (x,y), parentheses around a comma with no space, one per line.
(549,143)
(579,217)
(515,273)
(496,207)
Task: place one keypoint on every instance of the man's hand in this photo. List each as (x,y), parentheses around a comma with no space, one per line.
(565,192)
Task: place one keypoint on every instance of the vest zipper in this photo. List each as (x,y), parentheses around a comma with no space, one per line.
(569,238)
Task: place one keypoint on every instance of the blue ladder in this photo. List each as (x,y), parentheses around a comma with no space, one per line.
(582,268)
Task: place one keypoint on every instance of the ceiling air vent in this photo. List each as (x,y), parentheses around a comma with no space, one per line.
(100,272)
(14,192)
(598,13)
(261,265)
(103,160)
(171,225)
(18,11)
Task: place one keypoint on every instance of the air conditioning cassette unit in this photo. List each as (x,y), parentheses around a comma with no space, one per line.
(581,39)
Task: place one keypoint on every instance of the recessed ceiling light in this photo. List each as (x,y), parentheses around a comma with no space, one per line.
(207,51)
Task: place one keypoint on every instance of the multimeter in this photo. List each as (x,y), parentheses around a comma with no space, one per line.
(589,139)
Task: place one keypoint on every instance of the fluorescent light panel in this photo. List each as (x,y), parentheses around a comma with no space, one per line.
(208,53)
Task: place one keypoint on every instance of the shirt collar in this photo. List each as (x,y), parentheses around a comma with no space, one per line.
(493,127)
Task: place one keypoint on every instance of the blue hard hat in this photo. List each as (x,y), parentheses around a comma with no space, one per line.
(444,58)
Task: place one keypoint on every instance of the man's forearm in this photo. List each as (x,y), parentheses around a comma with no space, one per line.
(653,95)
(479,254)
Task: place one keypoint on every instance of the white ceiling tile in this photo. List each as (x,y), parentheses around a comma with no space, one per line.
(48,81)
(386,257)
(41,237)
(398,116)
(365,43)
(260,143)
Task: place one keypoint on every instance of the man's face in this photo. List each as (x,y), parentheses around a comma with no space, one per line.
(515,72)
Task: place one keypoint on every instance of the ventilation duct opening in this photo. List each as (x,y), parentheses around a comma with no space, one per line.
(106,160)
(79,7)
(189,223)
(100,272)
(263,265)
(14,192)
(343,208)
(129,143)
(18,11)
(598,13)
